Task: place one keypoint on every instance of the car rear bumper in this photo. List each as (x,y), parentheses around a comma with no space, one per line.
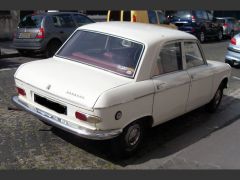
(28,44)
(69,127)
(233,55)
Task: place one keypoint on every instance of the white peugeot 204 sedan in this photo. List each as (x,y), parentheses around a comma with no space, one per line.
(115,79)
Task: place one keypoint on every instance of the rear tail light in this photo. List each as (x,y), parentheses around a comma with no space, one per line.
(80,116)
(40,34)
(193,30)
(225,24)
(21,91)
(88,118)
(233,41)
(134,18)
(193,19)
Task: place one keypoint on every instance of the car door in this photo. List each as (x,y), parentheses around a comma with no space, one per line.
(200,74)
(64,25)
(171,83)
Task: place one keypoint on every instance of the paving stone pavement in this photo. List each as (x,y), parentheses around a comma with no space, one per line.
(27,143)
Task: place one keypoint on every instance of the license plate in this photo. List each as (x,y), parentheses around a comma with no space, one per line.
(25,35)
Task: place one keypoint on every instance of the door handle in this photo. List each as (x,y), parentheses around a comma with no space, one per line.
(159,85)
(61,32)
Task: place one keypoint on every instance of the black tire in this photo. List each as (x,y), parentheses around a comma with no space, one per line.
(202,37)
(215,102)
(220,35)
(231,63)
(52,48)
(129,141)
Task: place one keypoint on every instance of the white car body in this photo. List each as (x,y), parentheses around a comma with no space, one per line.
(101,94)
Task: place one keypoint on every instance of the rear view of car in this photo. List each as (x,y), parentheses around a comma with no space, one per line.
(233,53)
(200,23)
(46,32)
(30,34)
(228,24)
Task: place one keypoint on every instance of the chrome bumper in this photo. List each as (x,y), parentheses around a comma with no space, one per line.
(67,126)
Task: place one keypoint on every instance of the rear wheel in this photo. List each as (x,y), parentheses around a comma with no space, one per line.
(220,35)
(129,141)
(215,102)
(52,48)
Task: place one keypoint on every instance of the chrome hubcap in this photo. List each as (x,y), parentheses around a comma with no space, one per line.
(133,135)
(217,97)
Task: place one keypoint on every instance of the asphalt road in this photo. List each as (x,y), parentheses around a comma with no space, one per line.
(197,140)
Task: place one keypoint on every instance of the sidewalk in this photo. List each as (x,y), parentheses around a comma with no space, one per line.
(7,49)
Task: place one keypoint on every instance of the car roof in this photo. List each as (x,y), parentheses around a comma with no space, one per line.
(145,33)
(225,18)
(57,13)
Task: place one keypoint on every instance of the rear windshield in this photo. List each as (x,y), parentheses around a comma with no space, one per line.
(182,14)
(31,21)
(120,56)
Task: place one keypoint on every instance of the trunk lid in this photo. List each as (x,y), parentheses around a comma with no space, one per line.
(72,81)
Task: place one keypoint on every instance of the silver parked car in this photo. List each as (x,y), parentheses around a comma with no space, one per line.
(228,25)
(46,32)
(233,53)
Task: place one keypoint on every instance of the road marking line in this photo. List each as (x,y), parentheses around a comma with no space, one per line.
(235,77)
(8,69)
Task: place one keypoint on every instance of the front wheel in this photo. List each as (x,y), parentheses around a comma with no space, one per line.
(215,102)
(129,141)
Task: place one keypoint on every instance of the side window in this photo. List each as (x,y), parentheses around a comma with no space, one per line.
(81,20)
(63,20)
(152,16)
(169,60)
(193,55)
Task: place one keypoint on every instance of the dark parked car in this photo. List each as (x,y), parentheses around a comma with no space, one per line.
(228,24)
(46,32)
(200,23)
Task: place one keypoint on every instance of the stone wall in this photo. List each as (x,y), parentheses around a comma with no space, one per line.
(8,24)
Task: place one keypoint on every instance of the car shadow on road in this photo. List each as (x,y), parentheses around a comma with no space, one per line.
(165,139)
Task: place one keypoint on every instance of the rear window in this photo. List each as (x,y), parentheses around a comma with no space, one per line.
(32,21)
(115,16)
(182,14)
(117,55)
